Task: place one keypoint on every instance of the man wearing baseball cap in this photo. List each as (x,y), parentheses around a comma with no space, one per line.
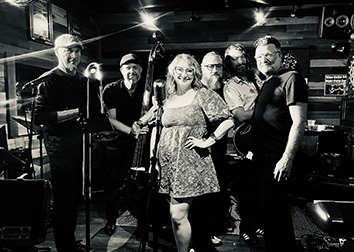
(60,97)
(123,102)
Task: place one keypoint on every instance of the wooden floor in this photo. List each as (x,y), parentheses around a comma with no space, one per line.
(124,239)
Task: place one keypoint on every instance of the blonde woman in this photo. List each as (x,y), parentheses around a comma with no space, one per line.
(187,169)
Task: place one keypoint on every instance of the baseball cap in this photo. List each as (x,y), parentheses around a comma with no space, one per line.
(67,41)
(129,58)
(231,49)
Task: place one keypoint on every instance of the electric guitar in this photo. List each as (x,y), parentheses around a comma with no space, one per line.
(242,138)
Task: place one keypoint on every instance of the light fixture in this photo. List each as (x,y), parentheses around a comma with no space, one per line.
(339,47)
(148,21)
(259,16)
(226,3)
(194,18)
(293,12)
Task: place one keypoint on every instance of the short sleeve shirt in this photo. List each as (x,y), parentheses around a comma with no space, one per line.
(271,118)
(240,93)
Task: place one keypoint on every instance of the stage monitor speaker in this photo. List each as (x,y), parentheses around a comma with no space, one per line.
(337,22)
(333,217)
(24,212)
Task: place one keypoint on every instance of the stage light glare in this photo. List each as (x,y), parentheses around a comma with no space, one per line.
(148,21)
(259,16)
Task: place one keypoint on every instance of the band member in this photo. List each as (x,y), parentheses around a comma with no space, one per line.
(278,121)
(209,212)
(61,97)
(123,102)
(187,169)
(240,92)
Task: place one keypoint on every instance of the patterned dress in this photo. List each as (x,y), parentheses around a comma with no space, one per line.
(185,172)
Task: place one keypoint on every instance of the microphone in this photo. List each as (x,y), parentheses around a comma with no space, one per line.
(159,91)
(35,82)
(93,71)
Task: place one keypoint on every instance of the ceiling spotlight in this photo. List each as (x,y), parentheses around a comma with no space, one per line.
(293,12)
(194,18)
(260,17)
(148,21)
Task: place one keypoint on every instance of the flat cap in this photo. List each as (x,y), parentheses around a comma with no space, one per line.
(67,41)
(130,58)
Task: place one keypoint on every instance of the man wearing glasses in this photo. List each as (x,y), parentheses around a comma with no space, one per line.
(240,92)
(209,223)
(60,98)
(213,71)
(278,127)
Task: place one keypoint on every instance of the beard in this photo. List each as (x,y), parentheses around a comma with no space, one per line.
(215,82)
(71,67)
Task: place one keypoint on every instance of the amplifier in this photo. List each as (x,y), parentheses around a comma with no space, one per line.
(24,212)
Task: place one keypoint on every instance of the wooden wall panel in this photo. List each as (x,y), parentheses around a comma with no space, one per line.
(215,30)
(18,49)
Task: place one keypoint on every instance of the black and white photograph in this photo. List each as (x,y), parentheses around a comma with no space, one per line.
(176,126)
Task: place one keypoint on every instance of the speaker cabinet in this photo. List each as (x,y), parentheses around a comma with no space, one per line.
(24,212)
(337,22)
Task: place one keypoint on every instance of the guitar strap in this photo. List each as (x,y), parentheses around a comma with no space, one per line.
(256,86)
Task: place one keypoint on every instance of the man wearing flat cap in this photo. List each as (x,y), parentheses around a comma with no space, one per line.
(61,96)
(123,102)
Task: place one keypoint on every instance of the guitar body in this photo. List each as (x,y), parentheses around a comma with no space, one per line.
(242,138)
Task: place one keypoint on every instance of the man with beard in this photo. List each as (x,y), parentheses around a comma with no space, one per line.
(123,103)
(209,212)
(213,71)
(60,99)
(240,92)
(278,121)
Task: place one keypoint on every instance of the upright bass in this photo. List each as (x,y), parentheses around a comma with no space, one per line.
(141,160)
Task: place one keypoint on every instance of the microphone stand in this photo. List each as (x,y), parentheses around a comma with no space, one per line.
(86,166)
(151,185)
(92,72)
(29,163)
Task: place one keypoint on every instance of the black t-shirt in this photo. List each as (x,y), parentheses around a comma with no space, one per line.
(271,118)
(128,106)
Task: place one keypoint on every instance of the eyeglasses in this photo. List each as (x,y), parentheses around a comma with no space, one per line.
(181,70)
(211,67)
(268,56)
